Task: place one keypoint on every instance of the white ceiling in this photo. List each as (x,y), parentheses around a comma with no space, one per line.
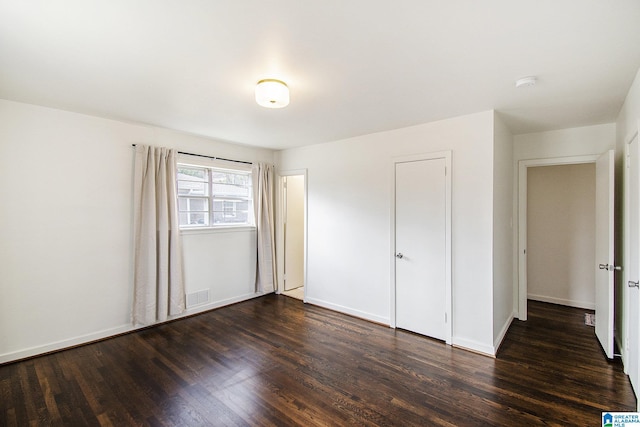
(353,66)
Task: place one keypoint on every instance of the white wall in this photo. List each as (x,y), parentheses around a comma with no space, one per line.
(561,234)
(627,125)
(65,238)
(222,261)
(565,142)
(349,203)
(503,280)
(629,116)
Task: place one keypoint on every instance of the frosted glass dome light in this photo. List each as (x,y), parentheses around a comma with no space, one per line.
(272,93)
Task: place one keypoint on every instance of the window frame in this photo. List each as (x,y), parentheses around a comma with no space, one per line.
(212,166)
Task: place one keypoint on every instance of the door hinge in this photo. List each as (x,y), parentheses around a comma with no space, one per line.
(445,317)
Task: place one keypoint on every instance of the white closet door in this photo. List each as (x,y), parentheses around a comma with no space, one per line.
(420,246)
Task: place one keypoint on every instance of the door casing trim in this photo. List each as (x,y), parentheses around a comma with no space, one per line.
(280,228)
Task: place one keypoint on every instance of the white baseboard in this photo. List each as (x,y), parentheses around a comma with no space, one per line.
(571,303)
(350,311)
(217,304)
(623,354)
(474,346)
(62,344)
(107,333)
(503,332)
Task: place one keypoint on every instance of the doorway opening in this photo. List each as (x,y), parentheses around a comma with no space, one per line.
(292,234)
(561,234)
(601,297)
(523,200)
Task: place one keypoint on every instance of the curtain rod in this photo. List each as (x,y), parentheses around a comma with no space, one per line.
(211,157)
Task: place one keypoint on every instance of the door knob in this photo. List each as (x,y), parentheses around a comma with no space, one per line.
(399,255)
(633,284)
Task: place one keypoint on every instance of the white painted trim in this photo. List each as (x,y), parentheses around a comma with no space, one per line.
(522,217)
(62,344)
(626,259)
(503,332)
(350,311)
(623,355)
(476,347)
(217,230)
(447,156)
(218,304)
(111,332)
(625,219)
(280,229)
(570,303)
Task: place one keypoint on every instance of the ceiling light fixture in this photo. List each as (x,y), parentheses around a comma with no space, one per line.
(527,81)
(272,93)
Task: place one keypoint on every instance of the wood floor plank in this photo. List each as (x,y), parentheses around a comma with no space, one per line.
(275,361)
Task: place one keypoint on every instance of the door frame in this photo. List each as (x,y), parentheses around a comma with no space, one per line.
(447,156)
(523,165)
(280,228)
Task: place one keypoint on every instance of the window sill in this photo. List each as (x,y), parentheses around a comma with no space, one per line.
(220,229)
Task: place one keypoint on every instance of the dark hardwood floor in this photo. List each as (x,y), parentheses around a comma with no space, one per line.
(276,361)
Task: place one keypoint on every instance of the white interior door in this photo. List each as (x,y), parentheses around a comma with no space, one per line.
(420,234)
(293,232)
(632,266)
(605,251)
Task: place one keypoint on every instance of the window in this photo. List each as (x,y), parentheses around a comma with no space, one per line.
(211,197)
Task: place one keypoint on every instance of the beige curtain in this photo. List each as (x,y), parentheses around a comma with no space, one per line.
(263,184)
(158,281)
